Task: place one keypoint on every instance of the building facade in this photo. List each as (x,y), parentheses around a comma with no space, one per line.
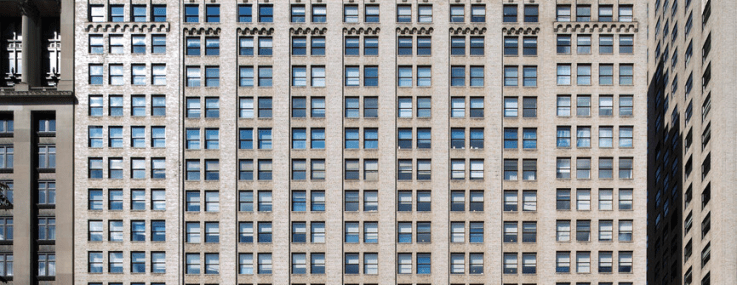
(211,148)
(690,120)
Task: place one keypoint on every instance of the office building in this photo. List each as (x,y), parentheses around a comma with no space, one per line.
(690,205)
(360,142)
(37,141)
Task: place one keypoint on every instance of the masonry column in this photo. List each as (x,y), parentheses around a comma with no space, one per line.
(22,207)
(31,26)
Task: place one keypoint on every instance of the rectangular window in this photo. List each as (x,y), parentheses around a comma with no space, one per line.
(97,13)
(298,13)
(478,13)
(158,13)
(529,76)
(606,44)
(116,13)
(404,13)
(372,13)
(317,47)
(191,13)
(510,13)
(138,44)
(511,75)
(563,44)
(265,46)
(583,13)
(319,13)
(626,74)
(424,13)
(563,13)
(245,13)
(531,13)
(350,13)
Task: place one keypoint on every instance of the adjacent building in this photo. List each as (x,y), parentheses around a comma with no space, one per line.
(360,142)
(37,141)
(690,206)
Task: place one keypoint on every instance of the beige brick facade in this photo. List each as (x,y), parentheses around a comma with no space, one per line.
(483,166)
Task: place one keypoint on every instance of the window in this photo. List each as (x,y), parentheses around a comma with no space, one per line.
(583,45)
(583,13)
(529,76)
(265,13)
(245,13)
(478,13)
(625,168)
(138,13)
(583,262)
(319,13)
(529,46)
(583,200)
(94,262)
(158,13)
(371,76)
(115,168)
(625,137)
(46,264)
(625,13)
(116,13)
(191,13)
(97,13)
(606,13)
(606,136)
(510,13)
(318,46)
(264,263)
(457,46)
(138,74)
(95,164)
(510,263)
(298,13)
(563,13)
(265,45)
(371,13)
(424,13)
(510,169)
(116,74)
(212,13)
(350,13)
(457,13)
(529,169)
(625,230)
(138,44)
(531,13)
(605,230)
(212,77)
(625,199)
(626,44)
(583,168)
(510,75)
(563,231)
(529,107)
(264,232)
(562,262)
(424,76)
(564,74)
(583,228)
(476,46)
(625,262)
(563,168)
(563,44)
(115,262)
(404,13)
(299,76)
(193,76)
(583,106)
(264,201)
(563,199)
(511,46)
(245,201)
(625,74)
(606,44)
(46,228)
